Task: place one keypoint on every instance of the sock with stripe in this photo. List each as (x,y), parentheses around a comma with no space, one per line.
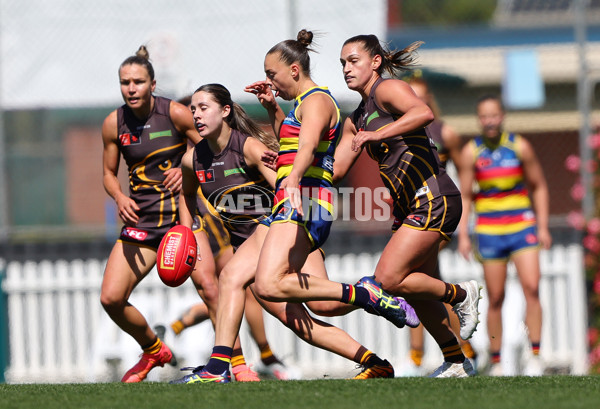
(219,360)
(468,350)
(416,355)
(453,294)
(266,355)
(177,327)
(535,348)
(358,296)
(495,357)
(237,358)
(153,347)
(363,355)
(452,352)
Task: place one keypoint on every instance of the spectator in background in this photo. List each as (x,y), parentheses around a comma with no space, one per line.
(448,144)
(511,207)
(151,133)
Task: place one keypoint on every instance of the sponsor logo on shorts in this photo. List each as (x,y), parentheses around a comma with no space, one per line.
(127,139)
(205,176)
(418,220)
(136,234)
(531,238)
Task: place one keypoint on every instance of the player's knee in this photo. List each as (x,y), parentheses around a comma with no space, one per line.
(112,302)
(495,301)
(267,290)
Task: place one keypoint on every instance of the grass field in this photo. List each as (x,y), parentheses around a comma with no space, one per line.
(410,393)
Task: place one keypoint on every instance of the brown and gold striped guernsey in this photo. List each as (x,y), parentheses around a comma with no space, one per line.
(239,193)
(408,164)
(150,147)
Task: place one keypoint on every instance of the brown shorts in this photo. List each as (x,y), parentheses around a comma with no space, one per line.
(441,214)
(218,236)
(144,236)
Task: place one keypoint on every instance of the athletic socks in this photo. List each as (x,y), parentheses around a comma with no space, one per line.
(358,296)
(266,355)
(468,350)
(495,357)
(177,327)
(452,352)
(219,360)
(416,355)
(153,347)
(363,355)
(453,294)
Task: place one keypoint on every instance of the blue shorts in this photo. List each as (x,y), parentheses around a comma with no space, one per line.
(316,222)
(501,246)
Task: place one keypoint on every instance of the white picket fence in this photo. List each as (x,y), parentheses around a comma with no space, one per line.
(58,331)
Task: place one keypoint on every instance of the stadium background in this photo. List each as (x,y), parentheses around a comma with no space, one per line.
(58,80)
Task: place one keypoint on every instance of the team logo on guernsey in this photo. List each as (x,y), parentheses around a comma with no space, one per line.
(127,139)
(422,191)
(205,176)
(134,233)
(483,162)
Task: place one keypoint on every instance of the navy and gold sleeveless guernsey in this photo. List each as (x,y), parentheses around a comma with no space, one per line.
(150,147)
(239,193)
(317,180)
(425,197)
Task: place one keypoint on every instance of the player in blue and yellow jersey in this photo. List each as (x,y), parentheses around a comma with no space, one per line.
(308,135)
(151,133)
(389,124)
(508,225)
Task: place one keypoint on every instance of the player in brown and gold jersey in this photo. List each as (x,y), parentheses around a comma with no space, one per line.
(390,124)
(151,134)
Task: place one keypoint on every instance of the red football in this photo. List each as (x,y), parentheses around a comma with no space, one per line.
(176,256)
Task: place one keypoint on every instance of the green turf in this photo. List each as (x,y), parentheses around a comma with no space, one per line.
(410,393)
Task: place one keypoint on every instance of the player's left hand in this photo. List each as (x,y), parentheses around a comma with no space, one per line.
(269,159)
(173,179)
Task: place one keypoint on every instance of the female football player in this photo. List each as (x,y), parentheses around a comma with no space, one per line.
(151,133)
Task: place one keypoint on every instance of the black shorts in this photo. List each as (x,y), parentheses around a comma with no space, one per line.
(144,236)
(441,214)
(218,236)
